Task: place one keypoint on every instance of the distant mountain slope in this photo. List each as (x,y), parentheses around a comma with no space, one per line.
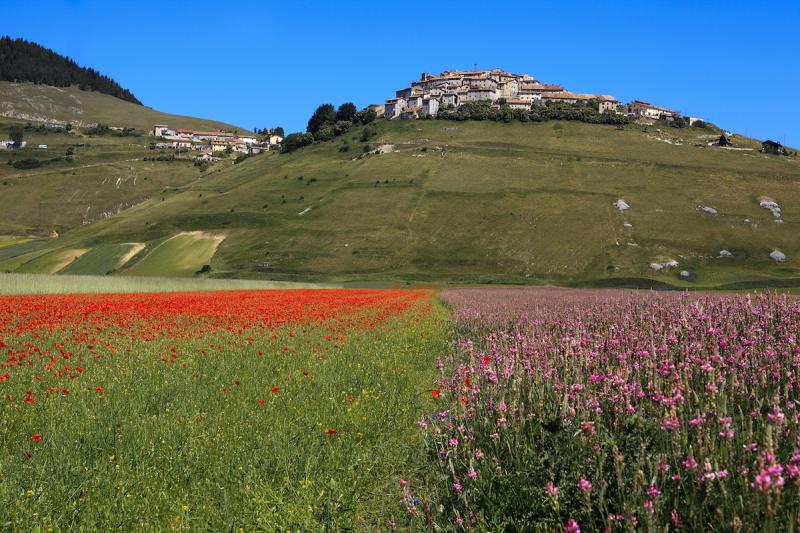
(22,61)
(488,202)
(42,103)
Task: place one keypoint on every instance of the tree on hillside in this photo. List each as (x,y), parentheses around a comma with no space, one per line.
(293,141)
(365,116)
(347,111)
(323,116)
(16,134)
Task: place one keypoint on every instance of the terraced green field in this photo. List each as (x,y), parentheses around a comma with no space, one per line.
(103,259)
(51,262)
(181,255)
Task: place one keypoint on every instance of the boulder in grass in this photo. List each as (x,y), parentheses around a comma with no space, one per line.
(772,205)
(778,256)
(709,210)
(685,275)
(725,253)
(621,204)
(656,266)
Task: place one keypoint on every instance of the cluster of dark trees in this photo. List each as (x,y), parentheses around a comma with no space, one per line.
(22,60)
(102,129)
(30,163)
(278,130)
(580,111)
(326,123)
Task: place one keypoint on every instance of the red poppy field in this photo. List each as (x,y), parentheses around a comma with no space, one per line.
(215,410)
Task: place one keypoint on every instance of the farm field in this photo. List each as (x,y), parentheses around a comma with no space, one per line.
(214,410)
(506,409)
(180,255)
(566,410)
(68,284)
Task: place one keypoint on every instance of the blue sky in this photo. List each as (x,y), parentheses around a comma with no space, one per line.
(264,63)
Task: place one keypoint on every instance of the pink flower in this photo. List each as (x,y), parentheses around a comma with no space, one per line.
(572,526)
(551,490)
(768,478)
(457,486)
(584,485)
(670,423)
(472,474)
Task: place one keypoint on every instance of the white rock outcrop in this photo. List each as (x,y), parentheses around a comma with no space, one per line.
(621,204)
(777,255)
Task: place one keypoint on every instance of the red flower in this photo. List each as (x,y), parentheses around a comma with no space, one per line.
(99,390)
(36,438)
(330,431)
(261,402)
(349,398)
(276,389)
(435,393)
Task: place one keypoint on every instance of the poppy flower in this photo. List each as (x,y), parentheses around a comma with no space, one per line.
(435,393)
(36,438)
(276,389)
(330,431)
(261,402)
(99,390)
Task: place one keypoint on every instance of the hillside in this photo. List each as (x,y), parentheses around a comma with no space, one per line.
(81,178)
(482,202)
(42,103)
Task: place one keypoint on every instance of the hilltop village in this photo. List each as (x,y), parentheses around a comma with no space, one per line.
(209,143)
(454,88)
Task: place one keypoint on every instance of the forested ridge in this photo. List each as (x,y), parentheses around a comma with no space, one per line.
(22,61)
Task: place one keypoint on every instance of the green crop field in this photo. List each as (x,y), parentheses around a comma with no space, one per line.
(80,284)
(103,259)
(51,262)
(181,255)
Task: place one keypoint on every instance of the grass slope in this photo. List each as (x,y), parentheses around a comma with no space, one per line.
(107,174)
(42,103)
(487,202)
(181,255)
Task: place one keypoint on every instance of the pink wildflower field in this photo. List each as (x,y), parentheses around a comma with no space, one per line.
(566,410)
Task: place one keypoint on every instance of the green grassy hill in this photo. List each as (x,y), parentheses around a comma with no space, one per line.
(42,103)
(104,175)
(486,202)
